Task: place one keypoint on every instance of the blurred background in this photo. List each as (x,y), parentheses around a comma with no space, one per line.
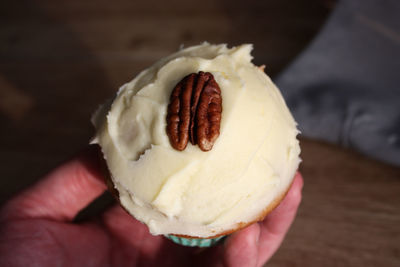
(60,59)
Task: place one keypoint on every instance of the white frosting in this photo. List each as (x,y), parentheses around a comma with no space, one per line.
(192,192)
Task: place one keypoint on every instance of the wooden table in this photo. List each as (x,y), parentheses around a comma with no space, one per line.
(60,59)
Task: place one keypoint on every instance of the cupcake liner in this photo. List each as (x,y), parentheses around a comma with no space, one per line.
(195,242)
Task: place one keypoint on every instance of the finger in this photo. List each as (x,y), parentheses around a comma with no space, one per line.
(119,222)
(62,193)
(277,223)
(134,243)
(241,248)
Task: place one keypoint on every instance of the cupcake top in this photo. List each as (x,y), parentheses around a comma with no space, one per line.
(195,192)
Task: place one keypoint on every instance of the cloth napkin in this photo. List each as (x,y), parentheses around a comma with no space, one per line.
(345,87)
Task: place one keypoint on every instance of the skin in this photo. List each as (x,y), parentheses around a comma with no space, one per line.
(37,228)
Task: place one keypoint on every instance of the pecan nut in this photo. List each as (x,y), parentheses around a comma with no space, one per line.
(194,112)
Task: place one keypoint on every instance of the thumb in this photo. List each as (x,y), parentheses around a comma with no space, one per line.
(62,193)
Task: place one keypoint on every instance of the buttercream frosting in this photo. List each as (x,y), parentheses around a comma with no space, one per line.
(191,192)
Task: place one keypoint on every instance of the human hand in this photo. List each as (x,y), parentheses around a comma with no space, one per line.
(37,228)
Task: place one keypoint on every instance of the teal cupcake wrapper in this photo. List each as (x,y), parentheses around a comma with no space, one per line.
(195,242)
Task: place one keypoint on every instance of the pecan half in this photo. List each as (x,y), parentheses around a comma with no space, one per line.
(194,112)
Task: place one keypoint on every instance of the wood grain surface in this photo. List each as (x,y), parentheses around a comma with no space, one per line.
(60,59)
(350,214)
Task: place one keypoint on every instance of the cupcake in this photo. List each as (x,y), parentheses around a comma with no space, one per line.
(199,145)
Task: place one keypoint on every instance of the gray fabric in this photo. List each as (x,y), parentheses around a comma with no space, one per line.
(345,87)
